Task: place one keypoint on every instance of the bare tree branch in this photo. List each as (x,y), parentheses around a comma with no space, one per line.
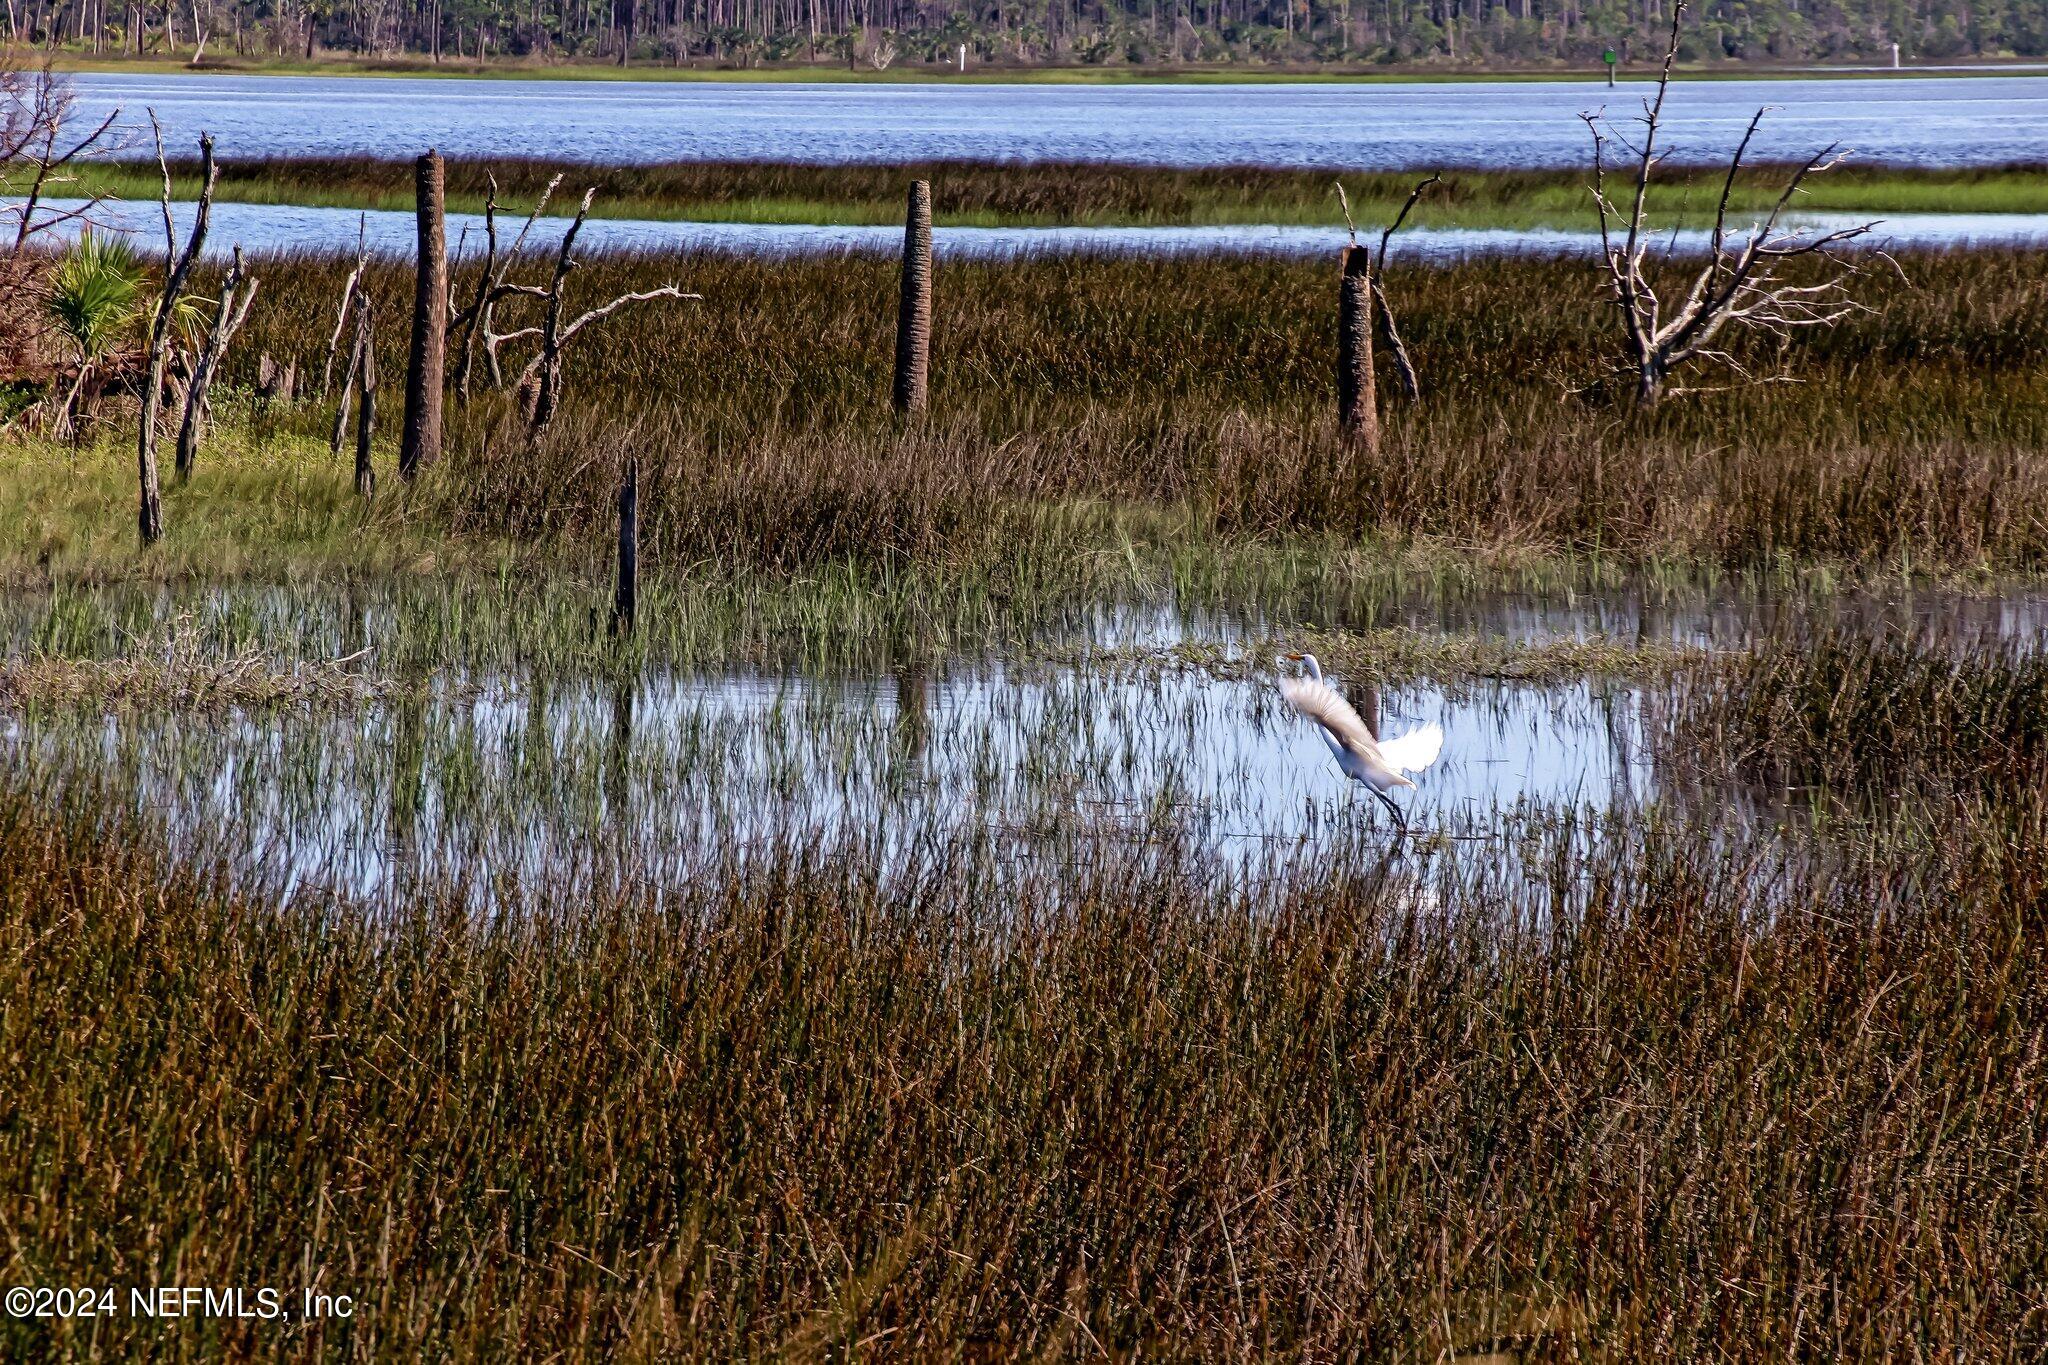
(1738,285)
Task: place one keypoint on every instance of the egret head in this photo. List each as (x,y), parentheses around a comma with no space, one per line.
(1308,663)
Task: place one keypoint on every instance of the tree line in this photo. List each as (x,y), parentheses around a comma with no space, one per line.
(877,34)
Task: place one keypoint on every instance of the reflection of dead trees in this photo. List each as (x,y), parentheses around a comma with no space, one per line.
(1737,287)
(539,383)
(237,293)
(150,516)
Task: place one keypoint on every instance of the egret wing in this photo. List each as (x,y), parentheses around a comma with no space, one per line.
(1321,703)
(1415,750)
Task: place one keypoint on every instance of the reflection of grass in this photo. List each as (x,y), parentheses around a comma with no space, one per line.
(986,195)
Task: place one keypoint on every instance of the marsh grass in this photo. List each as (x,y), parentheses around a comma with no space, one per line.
(1862,715)
(1043,194)
(1650,1093)
(1402,655)
(1084,417)
(1203,385)
(1675,1080)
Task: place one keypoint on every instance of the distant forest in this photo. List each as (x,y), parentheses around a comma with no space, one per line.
(879,34)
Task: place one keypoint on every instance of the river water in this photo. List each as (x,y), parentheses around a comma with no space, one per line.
(1925,120)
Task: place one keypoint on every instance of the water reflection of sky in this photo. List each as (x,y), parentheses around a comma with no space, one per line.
(1935,121)
(682,768)
(286,227)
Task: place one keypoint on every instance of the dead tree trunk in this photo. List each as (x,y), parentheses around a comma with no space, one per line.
(349,376)
(348,298)
(1404,368)
(366,411)
(237,293)
(177,269)
(420,440)
(626,589)
(914,310)
(1357,411)
(540,383)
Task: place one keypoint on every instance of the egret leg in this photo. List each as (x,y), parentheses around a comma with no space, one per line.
(1400,816)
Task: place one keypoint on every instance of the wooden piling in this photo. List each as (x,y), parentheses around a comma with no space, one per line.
(914,311)
(366,409)
(420,440)
(626,591)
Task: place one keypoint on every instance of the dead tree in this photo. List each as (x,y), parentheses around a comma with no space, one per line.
(37,149)
(539,382)
(276,383)
(1389,328)
(1411,387)
(237,293)
(177,267)
(475,320)
(914,308)
(478,321)
(626,585)
(1739,286)
(419,441)
(542,377)
(1357,405)
(359,388)
(348,298)
(366,411)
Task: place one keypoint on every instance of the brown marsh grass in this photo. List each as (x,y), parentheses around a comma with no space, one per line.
(1201,386)
(1655,1094)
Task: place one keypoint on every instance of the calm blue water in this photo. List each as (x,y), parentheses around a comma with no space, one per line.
(284,227)
(1931,120)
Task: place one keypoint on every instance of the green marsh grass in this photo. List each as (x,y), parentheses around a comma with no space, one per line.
(1042,194)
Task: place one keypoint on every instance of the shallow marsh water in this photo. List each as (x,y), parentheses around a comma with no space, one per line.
(669,774)
(1131,726)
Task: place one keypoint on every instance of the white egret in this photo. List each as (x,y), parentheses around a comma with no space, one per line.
(1354,739)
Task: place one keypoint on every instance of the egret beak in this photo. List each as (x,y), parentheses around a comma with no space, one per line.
(1294,658)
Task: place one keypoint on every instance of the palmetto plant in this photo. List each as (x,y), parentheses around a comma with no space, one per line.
(95,300)
(95,295)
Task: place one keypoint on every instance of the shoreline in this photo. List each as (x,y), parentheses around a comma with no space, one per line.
(812,74)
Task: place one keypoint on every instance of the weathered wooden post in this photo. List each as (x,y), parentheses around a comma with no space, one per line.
(914,311)
(626,590)
(420,442)
(366,410)
(1357,413)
